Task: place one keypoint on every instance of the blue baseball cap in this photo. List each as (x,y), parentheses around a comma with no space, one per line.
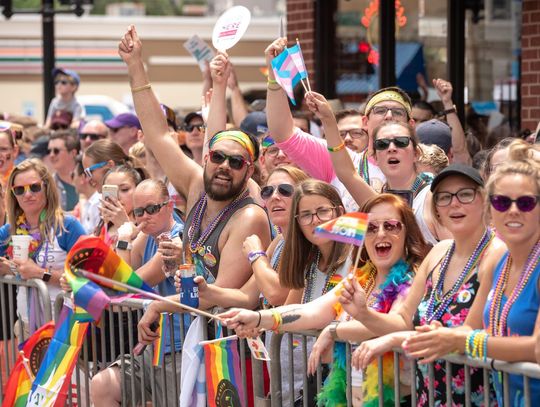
(68,72)
(123,120)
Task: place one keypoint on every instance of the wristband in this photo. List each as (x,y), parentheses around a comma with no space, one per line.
(337,148)
(273,86)
(252,256)
(140,88)
(259,321)
(272,82)
(450,111)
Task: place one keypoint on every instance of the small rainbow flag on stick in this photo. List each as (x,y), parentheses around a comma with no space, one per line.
(349,228)
(160,343)
(223,377)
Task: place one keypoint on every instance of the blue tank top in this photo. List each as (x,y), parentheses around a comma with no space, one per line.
(520,322)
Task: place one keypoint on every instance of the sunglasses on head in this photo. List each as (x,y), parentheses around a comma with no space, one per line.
(190,127)
(285,190)
(236,162)
(91,136)
(63,82)
(525,203)
(149,209)
(383,143)
(89,170)
(391,226)
(20,190)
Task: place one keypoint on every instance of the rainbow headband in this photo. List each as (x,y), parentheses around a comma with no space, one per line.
(387,95)
(235,135)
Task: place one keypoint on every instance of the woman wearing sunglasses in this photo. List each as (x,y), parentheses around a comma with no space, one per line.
(396,150)
(393,248)
(445,286)
(33,209)
(508,301)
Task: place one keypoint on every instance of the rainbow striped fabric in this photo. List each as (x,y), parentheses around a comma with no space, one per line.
(223,377)
(160,343)
(349,228)
(92,254)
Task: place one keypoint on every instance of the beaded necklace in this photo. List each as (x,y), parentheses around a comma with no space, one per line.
(421,181)
(312,275)
(498,318)
(363,168)
(22,227)
(435,312)
(200,209)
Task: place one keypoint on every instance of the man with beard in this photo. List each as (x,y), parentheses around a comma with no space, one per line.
(221,214)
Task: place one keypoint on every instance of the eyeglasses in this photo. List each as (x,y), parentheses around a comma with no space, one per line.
(63,82)
(525,203)
(89,170)
(323,214)
(354,133)
(391,226)
(272,151)
(55,150)
(464,196)
(149,209)
(236,162)
(285,190)
(397,112)
(20,190)
(191,127)
(384,143)
(91,136)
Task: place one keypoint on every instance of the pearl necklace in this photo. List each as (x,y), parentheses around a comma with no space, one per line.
(434,312)
(498,318)
(311,276)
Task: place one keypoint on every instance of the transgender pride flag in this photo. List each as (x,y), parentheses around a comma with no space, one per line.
(289,69)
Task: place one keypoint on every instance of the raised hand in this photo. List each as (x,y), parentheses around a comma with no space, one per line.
(130,47)
(353,297)
(220,68)
(273,50)
(444,90)
(318,104)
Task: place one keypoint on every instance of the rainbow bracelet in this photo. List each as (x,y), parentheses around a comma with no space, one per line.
(337,148)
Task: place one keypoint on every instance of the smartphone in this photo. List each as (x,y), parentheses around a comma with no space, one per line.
(109,191)
(404,194)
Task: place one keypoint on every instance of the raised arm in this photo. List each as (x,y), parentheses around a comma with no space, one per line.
(220,69)
(183,172)
(459,143)
(341,159)
(238,104)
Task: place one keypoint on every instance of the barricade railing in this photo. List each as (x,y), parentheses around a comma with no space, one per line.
(281,373)
(8,305)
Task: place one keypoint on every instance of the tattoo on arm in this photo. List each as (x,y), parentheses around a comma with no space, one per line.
(290,316)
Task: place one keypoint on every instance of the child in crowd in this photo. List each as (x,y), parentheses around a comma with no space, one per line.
(66,83)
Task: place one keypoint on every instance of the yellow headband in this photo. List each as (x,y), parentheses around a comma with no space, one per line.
(388,95)
(235,135)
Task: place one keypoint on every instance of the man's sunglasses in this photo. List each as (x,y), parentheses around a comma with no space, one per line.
(390,226)
(525,203)
(236,162)
(285,190)
(89,170)
(91,136)
(54,150)
(63,82)
(190,127)
(383,143)
(34,188)
(149,209)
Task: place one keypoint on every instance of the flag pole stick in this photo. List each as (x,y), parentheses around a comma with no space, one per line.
(111,283)
(307,75)
(26,364)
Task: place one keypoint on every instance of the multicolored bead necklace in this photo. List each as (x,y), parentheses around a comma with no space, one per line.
(329,282)
(434,312)
(200,209)
(22,227)
(498,318)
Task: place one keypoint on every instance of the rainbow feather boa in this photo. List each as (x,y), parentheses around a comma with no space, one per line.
(333,394)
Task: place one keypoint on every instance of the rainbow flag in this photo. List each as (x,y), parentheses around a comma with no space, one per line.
(160,343)
(52,383)
(349,228)
(93,254)
(19,382)
(223,378)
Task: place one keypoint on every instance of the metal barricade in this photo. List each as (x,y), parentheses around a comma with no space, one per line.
(8,303)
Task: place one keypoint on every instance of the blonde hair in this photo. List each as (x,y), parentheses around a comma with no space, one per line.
(54,217)
(520,150)
(434,157)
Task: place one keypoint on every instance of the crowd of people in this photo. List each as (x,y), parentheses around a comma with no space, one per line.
(450,261)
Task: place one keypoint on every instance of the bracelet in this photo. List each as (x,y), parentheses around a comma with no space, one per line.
(273,87)
(453,109)
(141,88)
(276,316)
(259,321)
(272,82)
(337,148)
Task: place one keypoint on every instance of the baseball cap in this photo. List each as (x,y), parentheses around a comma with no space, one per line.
(68,72)
(40,146)
(61,118)
(190,116)
(435,132)
(458,169)
(123,120)
(255,124)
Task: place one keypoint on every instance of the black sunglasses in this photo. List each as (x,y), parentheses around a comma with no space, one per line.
(383,143)
(190,127)
(91,136)
(54,150)
(22,189)
(149,209)
(525,203)
(285,190)
(236,162)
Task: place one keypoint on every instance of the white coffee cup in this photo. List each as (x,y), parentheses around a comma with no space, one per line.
(21,244)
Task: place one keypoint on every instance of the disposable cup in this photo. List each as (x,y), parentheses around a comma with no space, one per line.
(21,244)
